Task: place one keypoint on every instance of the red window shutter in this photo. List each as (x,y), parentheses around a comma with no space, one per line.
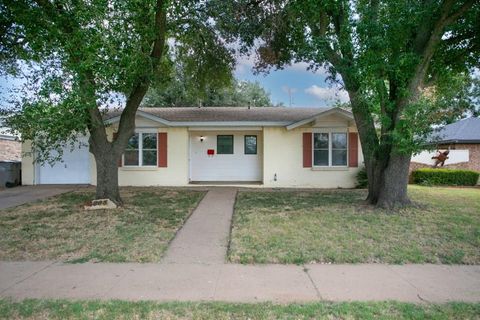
(119,162)
(307,149)
(162,149)
(353,149)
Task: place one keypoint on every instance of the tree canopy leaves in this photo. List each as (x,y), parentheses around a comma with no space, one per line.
(179,93)
(76,57)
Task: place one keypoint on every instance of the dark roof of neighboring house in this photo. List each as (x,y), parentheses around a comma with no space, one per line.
(207,114)
(463,131)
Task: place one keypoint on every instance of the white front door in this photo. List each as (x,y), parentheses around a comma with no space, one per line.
(74,168)
(239,164)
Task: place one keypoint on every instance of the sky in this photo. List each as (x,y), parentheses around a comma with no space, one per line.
(294,86)
(306,88)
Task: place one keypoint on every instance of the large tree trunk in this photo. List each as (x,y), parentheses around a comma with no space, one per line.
(107,177)
(391,186)
(388,181)
(375,178)
(387,170)
(107,154)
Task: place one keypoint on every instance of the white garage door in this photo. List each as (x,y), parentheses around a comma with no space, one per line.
(75,168)
(235,163)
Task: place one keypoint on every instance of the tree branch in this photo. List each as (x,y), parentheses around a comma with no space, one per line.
(127,119)
(425,45)
(453,17)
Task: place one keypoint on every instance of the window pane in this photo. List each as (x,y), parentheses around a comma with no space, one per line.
(339,157)
(149,157)
(250,144)
(130,158)
(320,141)
(320,158)
(224,144)
(339,140)
(133,142)
(149,141)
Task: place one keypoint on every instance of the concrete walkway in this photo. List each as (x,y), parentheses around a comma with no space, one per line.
(19,195)
(194,269)
(204,237)
(240,283)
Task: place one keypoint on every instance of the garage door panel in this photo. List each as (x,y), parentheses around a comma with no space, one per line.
(73,169)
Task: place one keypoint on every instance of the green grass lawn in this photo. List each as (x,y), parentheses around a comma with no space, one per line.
(59,228)
(62,309)
(334,226)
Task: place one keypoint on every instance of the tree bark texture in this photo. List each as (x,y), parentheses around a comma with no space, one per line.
(107,178)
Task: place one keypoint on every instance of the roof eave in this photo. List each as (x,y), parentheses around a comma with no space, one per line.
(339,111)
(229,123)
(169,123)
(143,114)
(456,141)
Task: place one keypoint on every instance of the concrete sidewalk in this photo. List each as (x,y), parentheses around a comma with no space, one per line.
(240,283)
(204,237)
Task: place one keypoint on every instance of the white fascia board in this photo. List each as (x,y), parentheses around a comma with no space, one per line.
(229,124)
(340,112)
(112,120)
(8,137)
(144,115)
(223,128)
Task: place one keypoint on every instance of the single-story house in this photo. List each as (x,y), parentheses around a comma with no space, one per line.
(461,138)
(271,147)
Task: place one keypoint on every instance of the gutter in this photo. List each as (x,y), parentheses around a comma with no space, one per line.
(473,141)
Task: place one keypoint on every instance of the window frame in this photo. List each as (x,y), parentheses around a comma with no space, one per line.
(140,151)
(233,143)
(330,132)
(245,144)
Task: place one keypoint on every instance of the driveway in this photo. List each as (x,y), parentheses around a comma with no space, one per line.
(16,196)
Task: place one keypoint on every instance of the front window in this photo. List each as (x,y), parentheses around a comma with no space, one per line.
(224,144)
(141,150)
(250,144)
(339,149)
(131,156)
(330,149)
(320,149)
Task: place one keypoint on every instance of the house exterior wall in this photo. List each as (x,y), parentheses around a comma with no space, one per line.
(176,172)
(28,169)
(283,160)
(473,162)
(10,150)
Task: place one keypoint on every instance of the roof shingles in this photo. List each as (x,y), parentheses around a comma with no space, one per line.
(220,114)
(465,130)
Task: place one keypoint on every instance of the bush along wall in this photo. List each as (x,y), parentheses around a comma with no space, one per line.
(362,179)
(449,177)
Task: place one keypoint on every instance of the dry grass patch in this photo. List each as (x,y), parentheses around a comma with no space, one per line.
(335,227)
(59,228)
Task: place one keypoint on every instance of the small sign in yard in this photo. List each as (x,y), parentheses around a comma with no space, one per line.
(101,204)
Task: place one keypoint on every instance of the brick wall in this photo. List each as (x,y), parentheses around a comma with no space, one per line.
(472,164)
(10,150)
